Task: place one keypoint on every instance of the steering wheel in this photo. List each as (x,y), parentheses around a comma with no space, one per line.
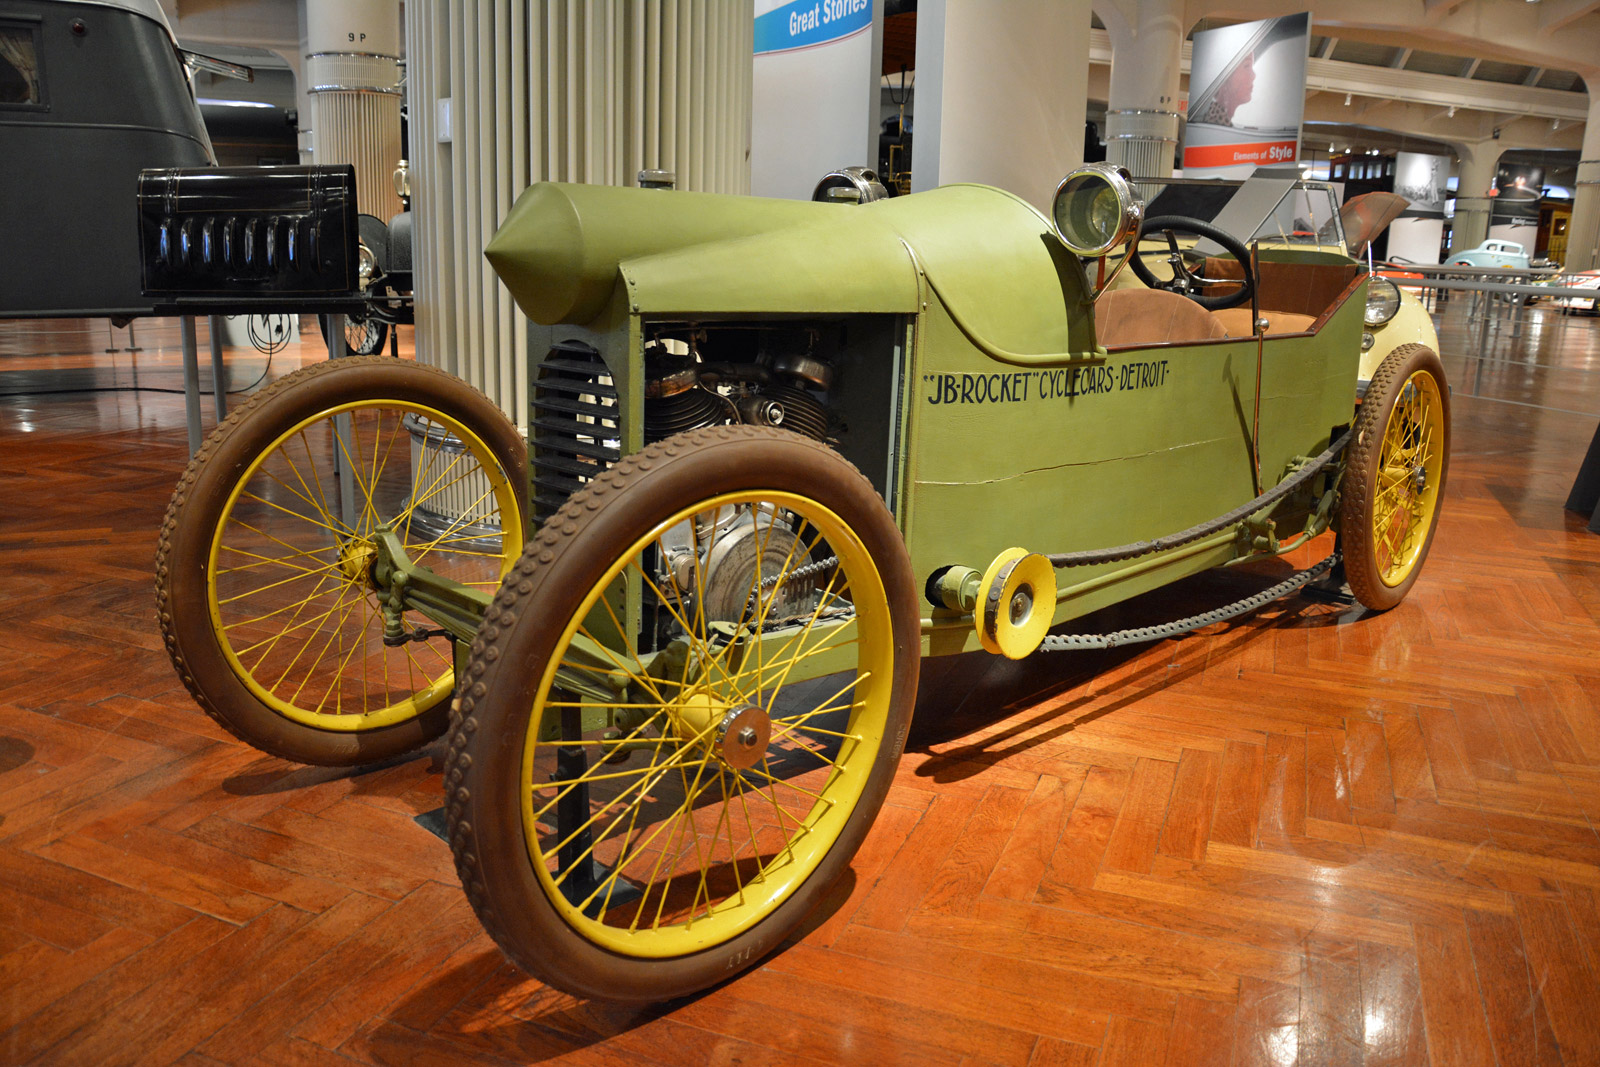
(1184,281)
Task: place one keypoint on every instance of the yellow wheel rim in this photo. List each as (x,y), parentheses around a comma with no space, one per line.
(675,848)
(1410,469)
(291,605)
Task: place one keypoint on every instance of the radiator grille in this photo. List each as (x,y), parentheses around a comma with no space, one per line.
(573,424)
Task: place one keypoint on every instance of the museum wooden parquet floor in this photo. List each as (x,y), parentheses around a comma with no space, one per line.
(1312,836)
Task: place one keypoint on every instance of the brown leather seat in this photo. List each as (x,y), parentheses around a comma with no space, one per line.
(1237,321)
(1153,317)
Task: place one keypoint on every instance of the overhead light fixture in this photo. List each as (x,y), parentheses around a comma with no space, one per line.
(1451,113)
(1346,99)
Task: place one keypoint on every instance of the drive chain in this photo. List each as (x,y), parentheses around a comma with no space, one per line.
(1074,642)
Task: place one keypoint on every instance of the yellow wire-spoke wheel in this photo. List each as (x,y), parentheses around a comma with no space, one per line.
(273,598)
(1395,475)
(748,598)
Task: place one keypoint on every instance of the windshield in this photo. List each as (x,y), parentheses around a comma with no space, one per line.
(1275,211)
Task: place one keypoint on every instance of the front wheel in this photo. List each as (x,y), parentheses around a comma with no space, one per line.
(266,577)
(1394,476)
(683,711)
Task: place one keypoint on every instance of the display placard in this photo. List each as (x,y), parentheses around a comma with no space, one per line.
(1247,95)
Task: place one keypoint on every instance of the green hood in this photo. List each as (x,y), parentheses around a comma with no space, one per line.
(987,255)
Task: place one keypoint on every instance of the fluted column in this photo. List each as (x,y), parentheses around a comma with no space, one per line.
(504,93)
(352,74)
(1142,106)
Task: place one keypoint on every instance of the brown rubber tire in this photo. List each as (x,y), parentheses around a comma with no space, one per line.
(1363,463)
(197,506)
(527,620)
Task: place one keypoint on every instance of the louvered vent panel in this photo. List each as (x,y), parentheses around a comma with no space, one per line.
(574,432)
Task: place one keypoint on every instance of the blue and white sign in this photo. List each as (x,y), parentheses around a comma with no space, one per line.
(805,23)
(813,93)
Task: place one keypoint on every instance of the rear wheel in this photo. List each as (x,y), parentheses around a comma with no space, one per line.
(266,585)
(643,803)
(363,335)
(1394,476)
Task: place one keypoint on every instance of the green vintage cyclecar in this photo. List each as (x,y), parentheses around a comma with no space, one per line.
(776,453)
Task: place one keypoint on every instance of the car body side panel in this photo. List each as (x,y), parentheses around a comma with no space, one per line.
(1107,450)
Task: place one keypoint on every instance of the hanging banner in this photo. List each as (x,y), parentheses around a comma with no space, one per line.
(814,93)
(1247,97)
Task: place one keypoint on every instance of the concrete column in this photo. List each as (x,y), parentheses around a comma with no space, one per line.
(1001,93)
(1583,233)
(1479,161)
(1142,109)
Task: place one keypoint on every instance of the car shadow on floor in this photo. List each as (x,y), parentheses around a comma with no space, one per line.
(961,695)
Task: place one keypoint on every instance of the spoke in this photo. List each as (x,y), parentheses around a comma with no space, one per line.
(829,733)
(295,551)
(316,478)
(685,818)
(594,817)
(294,624)
(775,780)
(339,589)
(644,896)
(698,647)
(304,518)
(726,819)
(565,786)
(292,491)
(298,604)
(460,522)
(300,576)
(742,788)
(404,518)
(333,635)
(321,504)
(368,507)
(271,561)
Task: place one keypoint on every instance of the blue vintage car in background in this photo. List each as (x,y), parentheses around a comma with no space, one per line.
(1493,254)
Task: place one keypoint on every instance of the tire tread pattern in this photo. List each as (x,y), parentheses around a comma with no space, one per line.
(213,443)
(580,509)
(1355,508)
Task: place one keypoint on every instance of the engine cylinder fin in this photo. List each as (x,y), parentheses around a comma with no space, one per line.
(802,412)
(682,412)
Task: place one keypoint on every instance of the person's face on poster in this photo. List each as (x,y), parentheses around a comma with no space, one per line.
(1239,87)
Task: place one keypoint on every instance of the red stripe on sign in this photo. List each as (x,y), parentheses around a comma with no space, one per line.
(1225,155)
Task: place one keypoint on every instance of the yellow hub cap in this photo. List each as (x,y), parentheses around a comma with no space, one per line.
(744,766)
(292,598)
(1410,465)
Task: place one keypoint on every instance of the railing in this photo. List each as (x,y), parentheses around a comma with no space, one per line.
(1499,294)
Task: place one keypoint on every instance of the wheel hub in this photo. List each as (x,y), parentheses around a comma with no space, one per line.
(736,733)
(742,737)
(356,557)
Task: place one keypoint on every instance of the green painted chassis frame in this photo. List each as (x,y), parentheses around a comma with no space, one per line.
(1012,427)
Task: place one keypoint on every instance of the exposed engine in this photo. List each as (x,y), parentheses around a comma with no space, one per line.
(787,386)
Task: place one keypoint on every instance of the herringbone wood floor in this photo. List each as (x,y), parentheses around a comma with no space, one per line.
(1312,836)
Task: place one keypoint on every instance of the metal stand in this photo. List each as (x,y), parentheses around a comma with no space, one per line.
(219,381)
(191,381)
